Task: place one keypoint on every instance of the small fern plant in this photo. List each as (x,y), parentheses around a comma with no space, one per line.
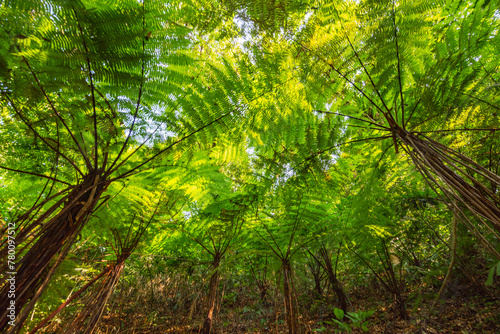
(358,320)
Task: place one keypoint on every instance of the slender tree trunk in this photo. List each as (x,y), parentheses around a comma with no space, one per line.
(73,296)
(212,296)
(290,310)
(95,304)
(453,237)
(317,284)
(395,287)
(400,304)
(263,287)
(334,282)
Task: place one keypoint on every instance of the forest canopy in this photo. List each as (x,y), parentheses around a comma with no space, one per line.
(249,166)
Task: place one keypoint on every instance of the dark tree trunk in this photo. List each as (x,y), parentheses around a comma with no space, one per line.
(334,282)
(395,287)
(36,267)
(290,310)
(263,287)
(317,284)
(400,305)
(212,296)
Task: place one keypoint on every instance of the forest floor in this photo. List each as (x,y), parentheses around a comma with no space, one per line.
(461,311)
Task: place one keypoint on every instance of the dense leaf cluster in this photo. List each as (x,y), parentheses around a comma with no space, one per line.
(248,138)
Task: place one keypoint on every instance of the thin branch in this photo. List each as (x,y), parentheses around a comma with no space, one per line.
(412,112)
(371,268)
(424,121)
(140,92)
(427,87)
(363,65)
(54,169)
(237,229)
(352,117)
(295,225)
(41,193)
(70,299)
(108,199)
(399,67)
(107,102)
(453,236)
(317,260)
(171,145)
(199,243)
(299,247)
(216,249)
(26,215)
(366,128)
(25,121)
(87,161)
(91,79)
(464,129)
(349,142)
(111,170)
(357,88)
(337,259)
(271,247)
(272,237)
(349,81)
(481,100)
(35,174)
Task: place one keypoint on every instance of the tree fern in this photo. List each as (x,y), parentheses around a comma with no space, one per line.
(401,70)
(86,87)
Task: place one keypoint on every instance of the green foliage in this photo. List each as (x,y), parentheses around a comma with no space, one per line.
(491,274)
(246,132)
(358,320)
